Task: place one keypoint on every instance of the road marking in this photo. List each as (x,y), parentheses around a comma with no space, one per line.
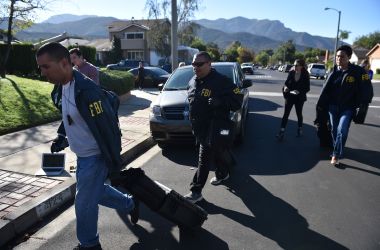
(256,93)
(261,76)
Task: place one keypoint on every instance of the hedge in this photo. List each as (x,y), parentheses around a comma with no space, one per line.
(120,82)
(21,60)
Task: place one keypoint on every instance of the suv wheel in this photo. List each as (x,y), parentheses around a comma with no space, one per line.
(240,136)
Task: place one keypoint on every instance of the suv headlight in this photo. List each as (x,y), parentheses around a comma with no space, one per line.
(156,110)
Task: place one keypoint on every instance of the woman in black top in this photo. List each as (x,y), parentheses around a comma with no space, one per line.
(296,86)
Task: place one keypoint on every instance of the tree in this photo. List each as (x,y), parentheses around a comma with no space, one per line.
(161,9)
(285,53)
(368,41)
(160,37)
(245,55)
(262,58)
(231,51)
(198,44)
(116,53)
(344,34)
(213,50)
(20,16)
(186,33)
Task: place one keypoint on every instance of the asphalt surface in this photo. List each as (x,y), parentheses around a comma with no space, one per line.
(280,195)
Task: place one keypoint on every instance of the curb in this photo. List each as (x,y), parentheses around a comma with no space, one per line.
(17,222)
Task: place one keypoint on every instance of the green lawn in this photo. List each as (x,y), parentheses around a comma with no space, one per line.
(25,103)
(376,76)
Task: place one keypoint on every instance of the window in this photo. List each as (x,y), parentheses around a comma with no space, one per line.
(134,35)
(135,55)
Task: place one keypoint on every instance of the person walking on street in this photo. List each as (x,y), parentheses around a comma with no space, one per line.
(211,97)
(348,87)
(83,66)
(367,67)
(295,88)
(93,135)
(140,75)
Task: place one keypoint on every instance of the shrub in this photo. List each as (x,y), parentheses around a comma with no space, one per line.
(377,71)
(21,59)
(120,82)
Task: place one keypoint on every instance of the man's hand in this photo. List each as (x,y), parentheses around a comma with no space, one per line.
(286,89)
(59,144)
(214,102)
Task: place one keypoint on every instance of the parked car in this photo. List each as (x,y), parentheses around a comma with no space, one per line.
(169,117)
(153,76)
(317,70)
(287,68)
(125,65)
(247,68)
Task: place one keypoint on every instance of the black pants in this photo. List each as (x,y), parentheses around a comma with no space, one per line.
(140,82)
(289,102)
(207,155)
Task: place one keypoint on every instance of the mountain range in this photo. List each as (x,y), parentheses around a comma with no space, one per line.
(252,33)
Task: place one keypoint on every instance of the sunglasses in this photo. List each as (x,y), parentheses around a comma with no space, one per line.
(198,64)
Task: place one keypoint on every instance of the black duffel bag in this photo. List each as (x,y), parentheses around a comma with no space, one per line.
(360,114)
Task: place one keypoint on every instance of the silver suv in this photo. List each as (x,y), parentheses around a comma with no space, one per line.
(317,70)
(169,117)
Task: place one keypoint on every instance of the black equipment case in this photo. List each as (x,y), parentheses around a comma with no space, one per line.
(165,201)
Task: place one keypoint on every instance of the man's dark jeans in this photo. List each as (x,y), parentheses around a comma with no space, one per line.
(207,155)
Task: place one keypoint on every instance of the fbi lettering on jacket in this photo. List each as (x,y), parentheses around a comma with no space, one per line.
(206,92)
(96,108)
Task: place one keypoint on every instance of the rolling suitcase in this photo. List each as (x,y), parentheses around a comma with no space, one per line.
(142,187)
(323,129)
(181,211)
(161,199)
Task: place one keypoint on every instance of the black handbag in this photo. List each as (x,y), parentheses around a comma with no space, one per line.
(360,114)
(221,132)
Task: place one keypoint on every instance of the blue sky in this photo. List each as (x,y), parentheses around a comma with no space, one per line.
(359,17)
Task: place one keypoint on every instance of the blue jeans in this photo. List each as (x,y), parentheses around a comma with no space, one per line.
(340,124)
(90,191)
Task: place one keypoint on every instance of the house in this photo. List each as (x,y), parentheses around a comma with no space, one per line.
(136,44)
(374,57)
(358,55)
(134,39)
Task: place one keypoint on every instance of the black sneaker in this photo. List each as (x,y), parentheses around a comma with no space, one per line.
(299,132)
(215,181)
(194,197)
(135,213)
(96,247)
(280,135)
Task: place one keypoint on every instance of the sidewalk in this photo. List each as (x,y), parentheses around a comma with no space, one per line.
(25,198)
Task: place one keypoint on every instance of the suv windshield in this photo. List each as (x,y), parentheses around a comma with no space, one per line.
(179,80)
(318,66)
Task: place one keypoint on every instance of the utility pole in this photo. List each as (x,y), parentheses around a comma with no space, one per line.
(174,39)
(337,32)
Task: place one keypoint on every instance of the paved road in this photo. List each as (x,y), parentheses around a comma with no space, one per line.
(281,195)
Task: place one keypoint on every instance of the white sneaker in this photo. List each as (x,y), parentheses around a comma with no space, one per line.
(215,181)
(194,197)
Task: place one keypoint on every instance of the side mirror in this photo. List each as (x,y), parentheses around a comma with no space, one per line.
(247,83)
(160,86)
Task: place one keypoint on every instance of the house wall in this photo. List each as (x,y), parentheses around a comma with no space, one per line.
(374,59)
(133,44)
